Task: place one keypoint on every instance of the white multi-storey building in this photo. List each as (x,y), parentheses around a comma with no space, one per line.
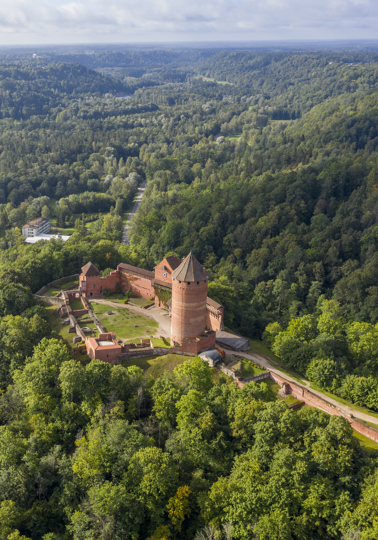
(36,227)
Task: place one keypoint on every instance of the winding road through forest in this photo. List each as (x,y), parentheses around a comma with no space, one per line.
(125,234)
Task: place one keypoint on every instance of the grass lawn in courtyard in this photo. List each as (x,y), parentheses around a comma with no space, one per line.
(125,323)
(53,291)
(76,304)
(120,298)
(160,342)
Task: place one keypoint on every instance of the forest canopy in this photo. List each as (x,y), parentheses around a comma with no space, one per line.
(264,164)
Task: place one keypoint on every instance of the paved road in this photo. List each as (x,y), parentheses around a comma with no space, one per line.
(160,315)
(263,362)
(125,236)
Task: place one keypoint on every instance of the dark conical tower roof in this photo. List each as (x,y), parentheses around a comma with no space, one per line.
(190,270)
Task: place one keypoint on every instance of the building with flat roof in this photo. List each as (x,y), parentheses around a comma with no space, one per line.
(36,227)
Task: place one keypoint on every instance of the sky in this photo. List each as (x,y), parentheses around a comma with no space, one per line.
(36,22)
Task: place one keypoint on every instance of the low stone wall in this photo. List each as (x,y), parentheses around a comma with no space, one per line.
(256,378)
(78,312)
(226,371)
(56,281)
(138,354)
(80,332)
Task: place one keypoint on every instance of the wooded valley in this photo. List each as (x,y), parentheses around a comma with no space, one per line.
(264,165)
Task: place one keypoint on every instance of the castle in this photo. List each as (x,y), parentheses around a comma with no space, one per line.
(179,286)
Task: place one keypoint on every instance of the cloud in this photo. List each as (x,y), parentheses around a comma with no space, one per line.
(26,21)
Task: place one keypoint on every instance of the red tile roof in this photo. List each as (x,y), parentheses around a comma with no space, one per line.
(213,303)
(136,270)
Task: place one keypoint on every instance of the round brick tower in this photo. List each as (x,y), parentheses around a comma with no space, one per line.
(189,295)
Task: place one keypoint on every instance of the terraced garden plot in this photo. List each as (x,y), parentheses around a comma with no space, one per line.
(125,323)
(76,304)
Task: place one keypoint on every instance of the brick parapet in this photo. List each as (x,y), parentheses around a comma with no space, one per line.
(313,400)
(138,285)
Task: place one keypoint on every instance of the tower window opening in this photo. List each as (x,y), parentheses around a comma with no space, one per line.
(188,282)
(197,282)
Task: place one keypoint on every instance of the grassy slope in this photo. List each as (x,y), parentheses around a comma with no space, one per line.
(247,370)
(258,347)
(57,288)
(156,366)
(141,302)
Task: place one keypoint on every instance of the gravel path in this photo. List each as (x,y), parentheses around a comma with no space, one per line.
(263,362)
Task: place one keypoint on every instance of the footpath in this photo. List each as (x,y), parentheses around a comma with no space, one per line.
(264,362)
(125,234)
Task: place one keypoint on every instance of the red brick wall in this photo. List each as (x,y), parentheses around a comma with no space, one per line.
(188,310)
(195,347)
(212,321)
(159,304)
(94,285)
(159,272)
(139,285)
(313,400)
(108,355)
(79,312)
